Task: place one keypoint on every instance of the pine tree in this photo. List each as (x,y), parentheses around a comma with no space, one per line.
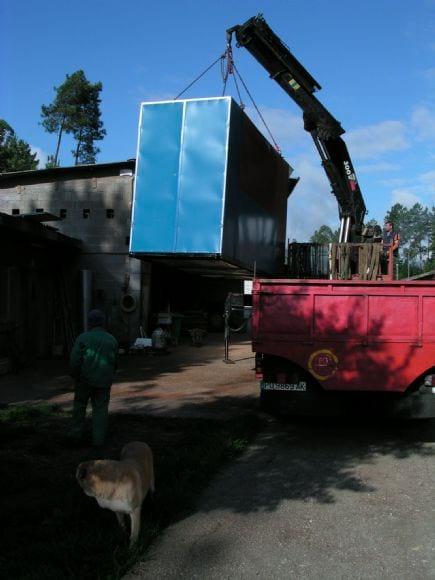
(324,235)
(416,227)
(76,110)
(15,154)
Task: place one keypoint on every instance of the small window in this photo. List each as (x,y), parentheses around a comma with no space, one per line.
(62,213)
(39,210)
(127,240)
(15,212)
(86,213)
(110,214)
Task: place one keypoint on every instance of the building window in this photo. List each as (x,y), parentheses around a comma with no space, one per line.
(39,210)
(110,214)
(62,213)
(127,240)
(15,212)
(86,213)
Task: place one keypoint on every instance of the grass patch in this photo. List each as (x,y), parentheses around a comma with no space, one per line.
(22,414)
(52,530)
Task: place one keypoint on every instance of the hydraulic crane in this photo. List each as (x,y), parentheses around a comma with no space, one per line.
(260,40)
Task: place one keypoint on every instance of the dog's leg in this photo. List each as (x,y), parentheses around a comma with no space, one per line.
(121,519)
(135,525)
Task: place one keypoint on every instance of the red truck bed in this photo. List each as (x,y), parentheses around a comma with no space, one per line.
(347,335)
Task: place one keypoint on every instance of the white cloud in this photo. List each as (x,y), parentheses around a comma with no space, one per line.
(423,123)
(406,196)
(408,192)
(394,182)
(311,204)
(428,181)
(374,140)
(41,156)
(286,128)
(142,94)
(381,167)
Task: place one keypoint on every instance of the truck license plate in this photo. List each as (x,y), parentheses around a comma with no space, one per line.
(301,386)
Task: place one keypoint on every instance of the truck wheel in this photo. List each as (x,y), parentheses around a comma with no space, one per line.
(269,401)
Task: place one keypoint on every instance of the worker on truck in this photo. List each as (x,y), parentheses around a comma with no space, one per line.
(390,244)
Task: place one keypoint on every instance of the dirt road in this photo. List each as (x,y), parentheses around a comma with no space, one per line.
(187,381)
(313,500)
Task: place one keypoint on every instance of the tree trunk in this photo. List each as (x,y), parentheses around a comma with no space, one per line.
(79,140)
(59,137)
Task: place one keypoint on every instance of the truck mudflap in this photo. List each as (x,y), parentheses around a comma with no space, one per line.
(304,397)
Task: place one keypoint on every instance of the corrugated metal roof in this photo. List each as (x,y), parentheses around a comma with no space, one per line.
(60,171)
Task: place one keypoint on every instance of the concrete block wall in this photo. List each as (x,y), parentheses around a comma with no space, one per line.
(98,232)
(98,212)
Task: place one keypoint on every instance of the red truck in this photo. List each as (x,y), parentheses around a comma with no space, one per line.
(327,345)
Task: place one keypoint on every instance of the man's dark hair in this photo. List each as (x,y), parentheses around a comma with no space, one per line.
(96,318)
(389,222)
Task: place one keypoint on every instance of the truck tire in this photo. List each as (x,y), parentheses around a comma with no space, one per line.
(269,401)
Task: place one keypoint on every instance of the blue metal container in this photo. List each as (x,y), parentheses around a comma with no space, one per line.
(208,186)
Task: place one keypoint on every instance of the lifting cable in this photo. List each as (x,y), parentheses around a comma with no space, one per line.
(226,71)
(230,71)
(277,147)
(220,58)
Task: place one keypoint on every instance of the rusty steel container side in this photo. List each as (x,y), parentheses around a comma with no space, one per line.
(208,186)
(350,336)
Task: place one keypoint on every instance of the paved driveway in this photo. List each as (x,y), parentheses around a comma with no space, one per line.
(313,500)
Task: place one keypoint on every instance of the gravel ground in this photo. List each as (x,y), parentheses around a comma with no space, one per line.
(313,500)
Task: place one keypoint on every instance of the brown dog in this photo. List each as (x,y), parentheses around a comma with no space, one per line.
(121,486)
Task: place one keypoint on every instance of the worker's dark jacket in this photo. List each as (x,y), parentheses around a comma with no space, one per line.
(388,240)
(94,357)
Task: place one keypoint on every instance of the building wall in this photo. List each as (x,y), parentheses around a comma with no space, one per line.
(37,312)
(96,209)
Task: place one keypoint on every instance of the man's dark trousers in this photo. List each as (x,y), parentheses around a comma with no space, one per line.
(100,398)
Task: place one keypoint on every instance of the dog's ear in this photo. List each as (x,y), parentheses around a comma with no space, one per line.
(82,471)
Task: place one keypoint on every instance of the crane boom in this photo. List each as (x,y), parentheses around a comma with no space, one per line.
(260,40)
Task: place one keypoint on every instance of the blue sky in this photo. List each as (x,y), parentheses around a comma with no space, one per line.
(375,61)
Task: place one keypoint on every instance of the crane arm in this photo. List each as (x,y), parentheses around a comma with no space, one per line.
(260,40)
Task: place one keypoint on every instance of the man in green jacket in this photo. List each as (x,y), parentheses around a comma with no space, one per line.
(93,362)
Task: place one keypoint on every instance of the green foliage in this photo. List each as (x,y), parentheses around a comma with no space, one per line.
(76,110)
(15,154)
(51,162)
(23,414)
(416,226)
(324,235)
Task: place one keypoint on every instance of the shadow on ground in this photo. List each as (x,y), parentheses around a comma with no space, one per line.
(185,371)
(311,460)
